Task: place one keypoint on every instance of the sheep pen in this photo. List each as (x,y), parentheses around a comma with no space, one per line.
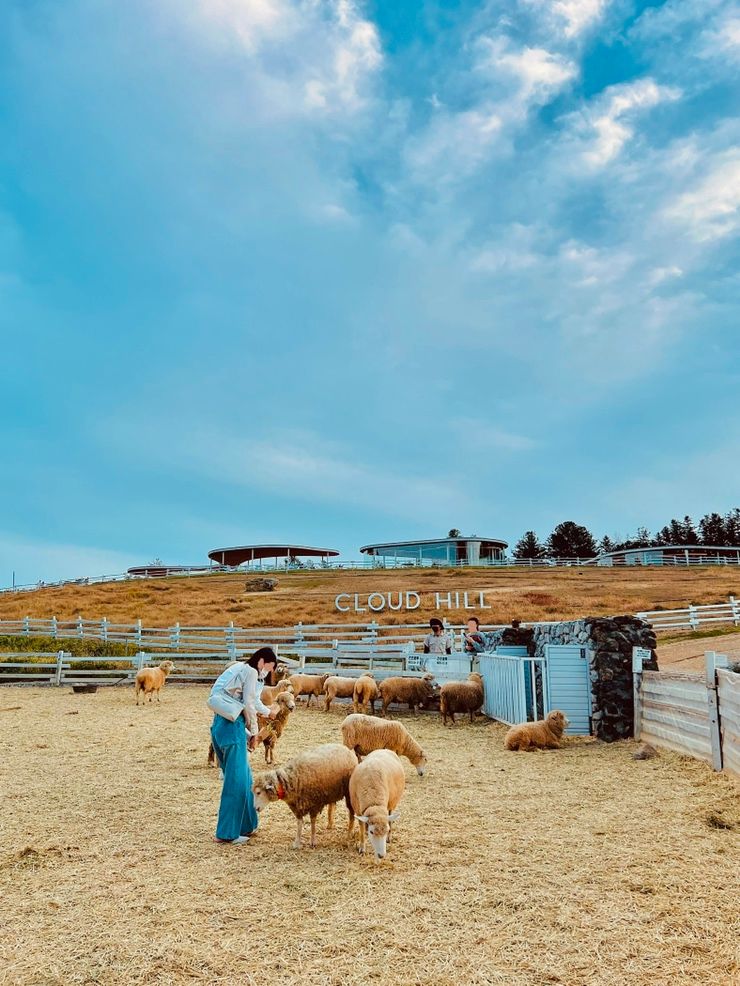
(580,867)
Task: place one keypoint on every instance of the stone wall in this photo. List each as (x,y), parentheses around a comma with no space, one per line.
(609,642)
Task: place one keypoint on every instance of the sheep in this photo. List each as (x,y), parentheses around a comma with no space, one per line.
(375,789)
(545,734)
(414,691)
(337,687)
(151,681)
(461,696)
(315,778)
(272,729)
(363,734)
(308,684)
(269,693)
(365,693)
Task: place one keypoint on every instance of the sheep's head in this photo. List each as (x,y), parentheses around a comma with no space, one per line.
(266,788)
(284,686)
(421,764)
(557,721)
(286,700)
(167,667)
(475,677)
(378,823)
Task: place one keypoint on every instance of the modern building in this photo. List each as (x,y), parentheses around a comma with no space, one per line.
(256,552)
(670,554)
(155,570)
(472,550)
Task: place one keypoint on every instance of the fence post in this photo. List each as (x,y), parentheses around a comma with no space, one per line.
(80,628)
(298,633)
(138,633)
(735,609)
(140,658)
(104,629)
(231,640)
(714,661)
(54,626)
(693,618)
(58,669)
(639,656)
(175,635)
(373,630)
(26,626)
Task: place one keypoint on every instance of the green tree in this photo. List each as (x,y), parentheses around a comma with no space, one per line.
(529,546)
(712,530)
(689,531)
(571,540)
(454,532)
(606,545)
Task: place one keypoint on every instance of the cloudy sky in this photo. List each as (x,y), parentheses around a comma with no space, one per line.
(333,271)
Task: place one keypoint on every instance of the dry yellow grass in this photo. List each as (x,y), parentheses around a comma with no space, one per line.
(309,596)
(578,867)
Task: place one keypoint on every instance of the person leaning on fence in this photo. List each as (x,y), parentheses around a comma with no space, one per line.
(235,700)
(474,641)
(437,642)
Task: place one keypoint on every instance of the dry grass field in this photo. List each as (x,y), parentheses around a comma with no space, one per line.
(578,867)
(567,593)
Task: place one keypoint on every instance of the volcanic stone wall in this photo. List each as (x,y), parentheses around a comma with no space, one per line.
(609,642)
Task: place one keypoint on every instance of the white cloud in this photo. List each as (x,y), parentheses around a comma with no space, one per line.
(572,17)
(354,57)
(485,436)
(453,146)
(711,210)
(608,124)
(539,73)
(251,22)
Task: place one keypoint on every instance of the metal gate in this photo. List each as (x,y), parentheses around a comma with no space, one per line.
(569,685)
(514,685)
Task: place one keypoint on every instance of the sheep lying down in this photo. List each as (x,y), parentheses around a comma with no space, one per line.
(375,789)
(307,783)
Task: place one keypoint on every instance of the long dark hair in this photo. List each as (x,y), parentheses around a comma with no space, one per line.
(266,654)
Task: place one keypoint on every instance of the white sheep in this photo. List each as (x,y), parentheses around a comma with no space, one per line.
(375,789)
(307,783)
(363,734)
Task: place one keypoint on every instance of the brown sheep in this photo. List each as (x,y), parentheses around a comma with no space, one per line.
(461,696)
(414,691)
(375,789)
(363,734)
(151,681)
(365,693)
(272,729)
(337,687)
(269,693)
(307,783)
(308,684)
(545,734)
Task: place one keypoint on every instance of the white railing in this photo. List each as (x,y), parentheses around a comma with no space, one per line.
(693,617)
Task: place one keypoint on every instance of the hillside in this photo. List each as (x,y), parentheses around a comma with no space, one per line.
(309,596)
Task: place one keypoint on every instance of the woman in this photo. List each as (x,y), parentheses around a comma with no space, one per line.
(241,683)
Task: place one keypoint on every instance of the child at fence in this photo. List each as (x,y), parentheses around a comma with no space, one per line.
(235,700)
(437,642)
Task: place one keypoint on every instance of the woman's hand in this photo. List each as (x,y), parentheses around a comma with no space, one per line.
(252,744)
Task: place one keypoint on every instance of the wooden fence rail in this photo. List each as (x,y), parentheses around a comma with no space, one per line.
(694,714)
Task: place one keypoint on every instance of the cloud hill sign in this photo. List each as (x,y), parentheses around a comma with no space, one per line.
(377,602)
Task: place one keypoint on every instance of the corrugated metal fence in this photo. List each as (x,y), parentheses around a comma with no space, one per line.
(694,714)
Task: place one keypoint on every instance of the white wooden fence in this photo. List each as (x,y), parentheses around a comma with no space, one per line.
(694,714)
(693,617)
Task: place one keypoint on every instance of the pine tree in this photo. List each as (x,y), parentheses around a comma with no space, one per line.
(676,532)
(689,531)
(571,540)
(712,530)
(732,527)
(642,538)
(454,533)
(529,546)
(606,545)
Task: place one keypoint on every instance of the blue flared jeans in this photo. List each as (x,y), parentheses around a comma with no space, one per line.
(236,814)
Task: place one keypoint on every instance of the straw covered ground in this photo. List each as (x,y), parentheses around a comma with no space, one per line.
(579,867)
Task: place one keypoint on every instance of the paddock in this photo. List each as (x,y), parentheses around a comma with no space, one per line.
(579,867)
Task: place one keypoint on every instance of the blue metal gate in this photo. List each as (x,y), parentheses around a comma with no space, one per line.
(569,685)
(514,685)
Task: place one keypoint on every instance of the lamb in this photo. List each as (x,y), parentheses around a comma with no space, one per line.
(365,693)
(308,684)
(363,734)
(545,734)
(151,681)
(461,696)
(307,783)
(375,789)
(272,729)
(414,691)
(270,693)
(337,687)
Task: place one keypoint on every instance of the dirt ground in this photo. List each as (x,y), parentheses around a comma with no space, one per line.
(579,867)
(688,655)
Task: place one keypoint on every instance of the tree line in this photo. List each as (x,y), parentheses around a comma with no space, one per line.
(571,540)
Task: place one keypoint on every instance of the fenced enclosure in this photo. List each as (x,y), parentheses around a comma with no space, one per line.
(694,714)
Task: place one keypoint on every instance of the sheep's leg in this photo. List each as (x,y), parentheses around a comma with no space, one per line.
(330,814)
(313,831)
(471,715)
(363,833)
(351,824)
(327,704)
(452,716)
(299,826)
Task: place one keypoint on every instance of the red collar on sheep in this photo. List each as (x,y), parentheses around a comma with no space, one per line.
(280,791)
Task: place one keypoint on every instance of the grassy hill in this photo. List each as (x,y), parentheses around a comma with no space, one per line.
(309,596)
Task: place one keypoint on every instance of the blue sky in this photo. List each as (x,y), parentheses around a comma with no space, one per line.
(334,272)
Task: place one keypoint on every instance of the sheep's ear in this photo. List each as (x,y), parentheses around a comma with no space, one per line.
(362,818)
(394,816)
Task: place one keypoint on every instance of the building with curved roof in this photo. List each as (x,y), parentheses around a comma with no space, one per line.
(669,554)
(155,570)
(256,552)
(471,550)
